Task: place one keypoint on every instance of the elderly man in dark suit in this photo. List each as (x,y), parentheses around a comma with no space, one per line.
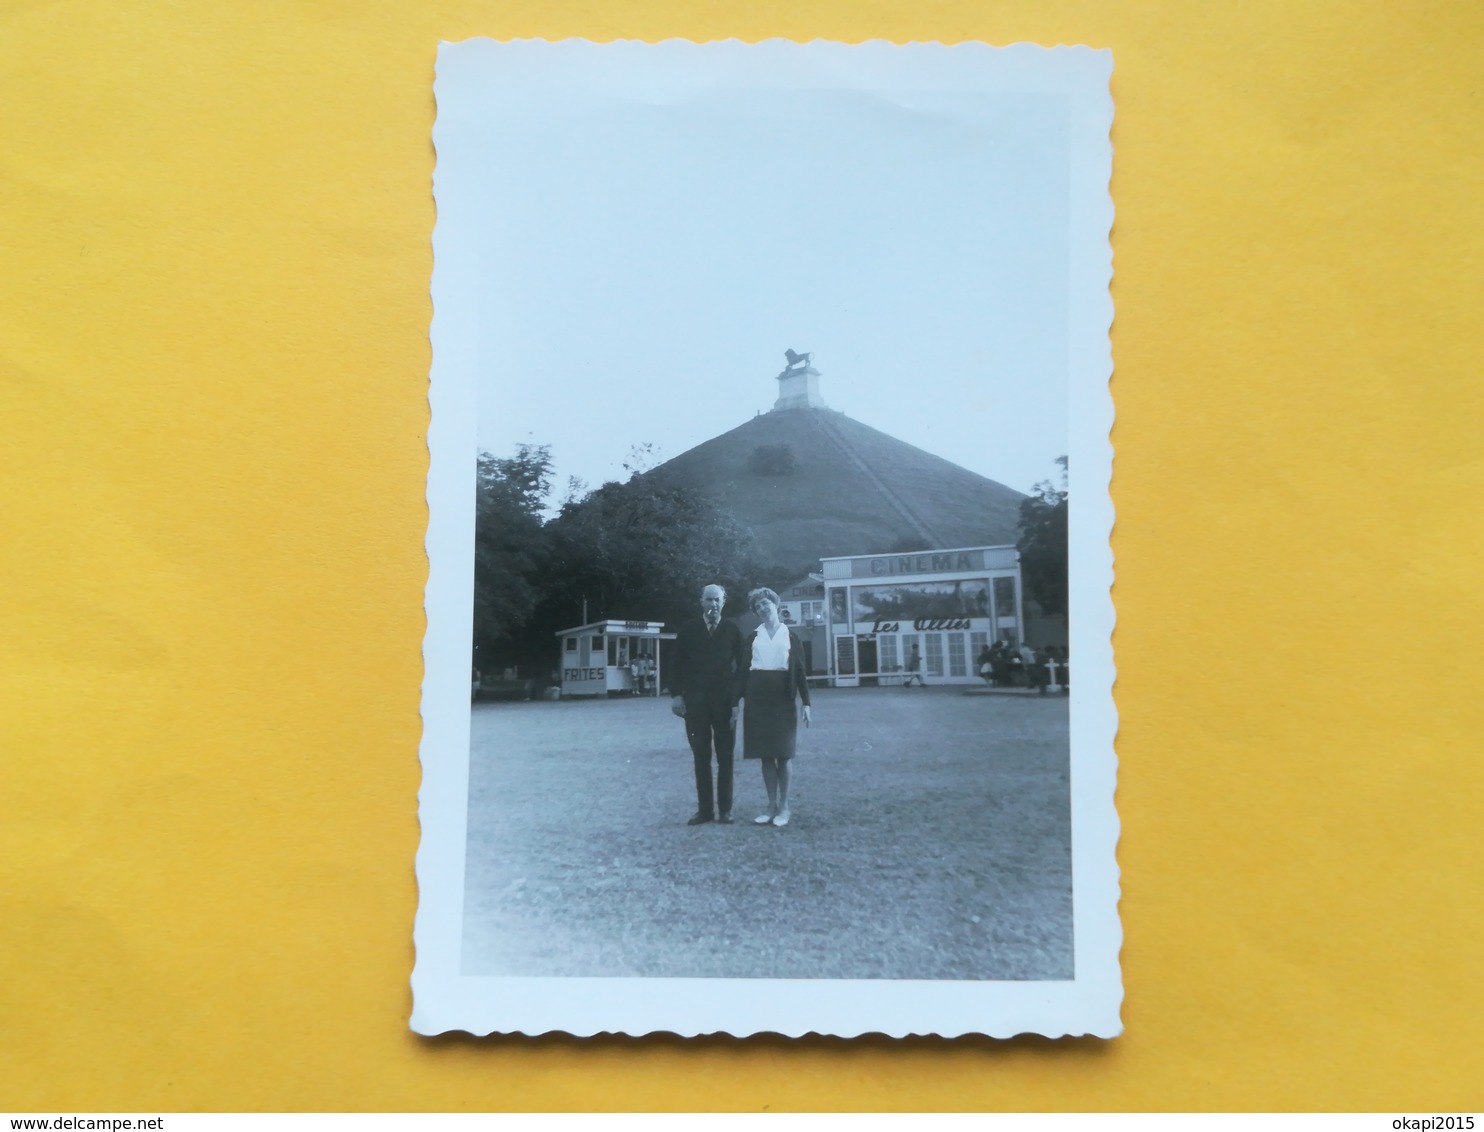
(706,675)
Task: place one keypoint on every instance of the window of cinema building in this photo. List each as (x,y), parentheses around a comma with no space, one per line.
(950,604)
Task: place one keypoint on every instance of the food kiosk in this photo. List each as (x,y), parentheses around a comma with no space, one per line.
(611,658)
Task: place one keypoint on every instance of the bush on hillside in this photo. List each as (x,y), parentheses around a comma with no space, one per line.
(773,460)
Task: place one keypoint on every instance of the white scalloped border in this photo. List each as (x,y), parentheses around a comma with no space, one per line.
(1089,1004)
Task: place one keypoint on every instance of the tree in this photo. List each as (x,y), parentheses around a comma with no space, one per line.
(643,550)
(639,550)
(642,458)
(1043,544)
(509,549)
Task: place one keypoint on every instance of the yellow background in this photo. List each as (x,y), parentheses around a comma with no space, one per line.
(214,223)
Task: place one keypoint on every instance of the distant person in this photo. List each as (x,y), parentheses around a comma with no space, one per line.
(1040,670)
(1065,660)
(914,670)
(1015,666)
(999,665)
(710,662)
(772,684)
(985,661)
(1027,657)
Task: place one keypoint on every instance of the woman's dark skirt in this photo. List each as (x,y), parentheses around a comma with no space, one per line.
(770,719)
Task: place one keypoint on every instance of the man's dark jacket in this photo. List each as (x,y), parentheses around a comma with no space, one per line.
(708,664)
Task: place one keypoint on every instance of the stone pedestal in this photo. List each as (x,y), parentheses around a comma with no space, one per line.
(798,388)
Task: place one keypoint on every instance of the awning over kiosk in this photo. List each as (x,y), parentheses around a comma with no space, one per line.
(606,657)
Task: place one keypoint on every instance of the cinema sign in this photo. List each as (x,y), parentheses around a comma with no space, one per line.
(945,562)
(922,564)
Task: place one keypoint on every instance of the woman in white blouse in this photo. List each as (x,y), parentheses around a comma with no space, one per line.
(770,719)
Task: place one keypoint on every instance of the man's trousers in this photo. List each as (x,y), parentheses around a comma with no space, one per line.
(708,723)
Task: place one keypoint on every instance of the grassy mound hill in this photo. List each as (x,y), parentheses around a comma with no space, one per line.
(813,483)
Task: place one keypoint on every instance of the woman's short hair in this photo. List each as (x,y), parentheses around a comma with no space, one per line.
(754,596)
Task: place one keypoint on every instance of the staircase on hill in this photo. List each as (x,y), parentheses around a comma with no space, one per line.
(830,428)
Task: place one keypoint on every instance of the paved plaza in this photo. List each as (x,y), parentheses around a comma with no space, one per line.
(931,839)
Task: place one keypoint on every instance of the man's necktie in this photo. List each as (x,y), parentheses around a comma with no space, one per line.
(711,620)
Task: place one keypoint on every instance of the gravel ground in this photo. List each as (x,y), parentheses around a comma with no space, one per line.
(930,839)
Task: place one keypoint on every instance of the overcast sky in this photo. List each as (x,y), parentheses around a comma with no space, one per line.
(646,261)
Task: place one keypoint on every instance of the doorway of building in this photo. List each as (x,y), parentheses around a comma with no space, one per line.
(845,661)
(865,651)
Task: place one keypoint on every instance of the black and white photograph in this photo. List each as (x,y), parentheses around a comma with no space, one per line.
(768,518)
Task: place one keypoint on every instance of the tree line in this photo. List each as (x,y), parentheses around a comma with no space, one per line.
(1043,544)
(638,550)
(641,550)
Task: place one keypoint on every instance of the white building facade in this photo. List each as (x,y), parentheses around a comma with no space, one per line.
(949,604)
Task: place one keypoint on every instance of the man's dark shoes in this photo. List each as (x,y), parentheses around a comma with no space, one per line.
(724,819)
(699,819)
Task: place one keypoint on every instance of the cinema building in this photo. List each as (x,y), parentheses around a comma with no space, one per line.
(949,603)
